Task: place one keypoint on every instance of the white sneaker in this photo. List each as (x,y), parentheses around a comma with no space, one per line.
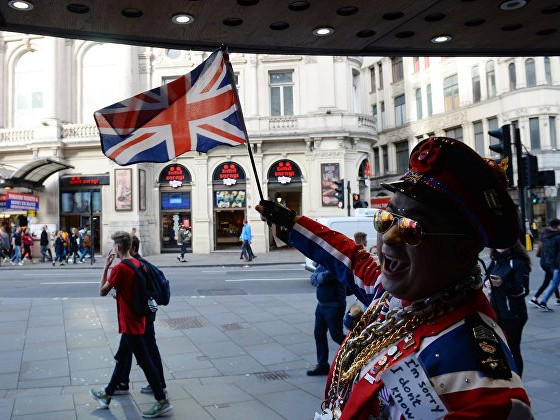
(20,263)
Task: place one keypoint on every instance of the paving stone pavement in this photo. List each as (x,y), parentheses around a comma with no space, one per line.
(225,357)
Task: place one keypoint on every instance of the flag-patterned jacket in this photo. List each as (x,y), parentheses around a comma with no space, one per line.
(444,347)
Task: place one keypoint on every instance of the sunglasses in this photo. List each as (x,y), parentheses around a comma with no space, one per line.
(409,229)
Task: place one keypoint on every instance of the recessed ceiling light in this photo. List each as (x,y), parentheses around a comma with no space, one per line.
(513,4)
(182,19)
(440,39)
(323,31)
(22,5)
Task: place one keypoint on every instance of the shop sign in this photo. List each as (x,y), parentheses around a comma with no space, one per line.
(19,201)
(174,175)
(229,174)
(229,199)
(175,200)
(84,180)
(380,202)
(284,171)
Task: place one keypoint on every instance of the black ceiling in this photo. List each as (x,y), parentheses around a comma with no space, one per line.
(361,27)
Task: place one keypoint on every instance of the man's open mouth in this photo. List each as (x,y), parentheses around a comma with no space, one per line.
(393,265)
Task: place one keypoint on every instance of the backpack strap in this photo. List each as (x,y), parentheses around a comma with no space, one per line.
(137,272)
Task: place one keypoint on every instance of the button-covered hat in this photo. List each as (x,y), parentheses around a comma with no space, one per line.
(445,171)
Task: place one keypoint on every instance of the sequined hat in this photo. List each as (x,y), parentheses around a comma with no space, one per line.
(445,171)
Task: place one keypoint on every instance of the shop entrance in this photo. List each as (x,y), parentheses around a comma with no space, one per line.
(170,223)
(68,221)
(228,228)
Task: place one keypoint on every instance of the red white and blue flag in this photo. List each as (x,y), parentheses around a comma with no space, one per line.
(198,111)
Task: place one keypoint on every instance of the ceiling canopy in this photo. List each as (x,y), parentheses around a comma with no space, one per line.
(33,174)
(328,27)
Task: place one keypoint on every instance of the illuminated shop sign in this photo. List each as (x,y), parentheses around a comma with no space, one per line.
(19,201)
(174,175)
(84,180)
(228,173)
(284,171)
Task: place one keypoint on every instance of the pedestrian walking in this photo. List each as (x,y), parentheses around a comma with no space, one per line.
(246,238)
(59,248)
(429,330)
(4,245)
(27,241)
(125,357)
(87,247)
(182,240)
(131,326)
(549,253)
(16,246)
(329,312)
(45,243)
(73,257)
(509,284)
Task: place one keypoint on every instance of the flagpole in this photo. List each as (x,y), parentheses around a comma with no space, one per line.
(242,120)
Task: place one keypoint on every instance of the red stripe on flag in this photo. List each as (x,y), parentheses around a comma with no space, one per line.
(130,144)
(222,133)
(215,78)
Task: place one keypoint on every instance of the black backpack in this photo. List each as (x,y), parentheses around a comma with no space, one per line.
(143,303)
(162,291)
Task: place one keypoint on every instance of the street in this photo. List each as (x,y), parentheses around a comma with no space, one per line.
(52,282)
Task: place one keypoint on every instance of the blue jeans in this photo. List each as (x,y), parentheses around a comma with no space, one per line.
(328,318)
(17,254)
(552,286)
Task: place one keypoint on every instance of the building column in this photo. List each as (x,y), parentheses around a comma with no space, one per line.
(201,208)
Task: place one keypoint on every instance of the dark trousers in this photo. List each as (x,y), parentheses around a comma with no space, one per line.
(513,329)
(247,251)
(548,274)
(153,351)
(183,250)
(328,318)
(136,345)
(27,252)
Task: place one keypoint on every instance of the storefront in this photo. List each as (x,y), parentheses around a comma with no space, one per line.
(229,199)
(80,200)
(175,205)
(284,186)
(15,207)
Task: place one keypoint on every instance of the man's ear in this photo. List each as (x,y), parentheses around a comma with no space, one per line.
(467,251)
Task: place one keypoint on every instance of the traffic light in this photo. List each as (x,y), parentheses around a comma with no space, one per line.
(531,170)
(503,148)
(339,193)
(534,198)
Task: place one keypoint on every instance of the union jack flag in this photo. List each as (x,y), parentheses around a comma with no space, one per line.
(198,111)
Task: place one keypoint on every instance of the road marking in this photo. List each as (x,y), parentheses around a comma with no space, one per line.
(70,282)
(45,275)
(256,269)
(295,278)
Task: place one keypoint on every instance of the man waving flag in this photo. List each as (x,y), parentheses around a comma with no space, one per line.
(198,111)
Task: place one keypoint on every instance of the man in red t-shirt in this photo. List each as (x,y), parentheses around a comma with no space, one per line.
(131,327)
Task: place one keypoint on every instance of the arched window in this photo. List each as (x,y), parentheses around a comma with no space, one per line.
(512,76)
(429,99)
(29,98)
(419,104)
(547,71)
(490,79)
(530,72)
(475,76)
(100,87)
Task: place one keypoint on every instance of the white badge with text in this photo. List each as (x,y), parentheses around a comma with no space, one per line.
(412,391)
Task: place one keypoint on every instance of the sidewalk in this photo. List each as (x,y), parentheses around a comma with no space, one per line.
(212,259)
(225,357)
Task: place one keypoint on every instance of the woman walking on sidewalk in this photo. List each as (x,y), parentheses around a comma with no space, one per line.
(59,248)
(27,241)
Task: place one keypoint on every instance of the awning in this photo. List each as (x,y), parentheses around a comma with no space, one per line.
(33,174)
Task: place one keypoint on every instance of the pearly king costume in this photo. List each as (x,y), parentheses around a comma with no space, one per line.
(443,356)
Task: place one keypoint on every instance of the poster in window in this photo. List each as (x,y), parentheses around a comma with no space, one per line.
(123,189)
(141,189)
(329,175)
(230,199)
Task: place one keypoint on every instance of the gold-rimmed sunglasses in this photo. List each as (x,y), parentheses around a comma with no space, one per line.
(409,229)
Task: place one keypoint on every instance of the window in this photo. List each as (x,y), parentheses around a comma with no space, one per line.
(400,110)
(547,71)
(281,93)
(530,72)
(492,125)
(512,76)
(376,165)
(372,78)
(385,153)
(455,133)
(398,72)
(401,150)
(416,63)
(419,103)
(479,138)
(374,112)
(99,66)
(168,79)
(475,75)
(426,62)
(356,90)
(28,88)
(429,99)
(380,71)
(490,79)
(382,123)
(451,92)
(534,133)
(552,127)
